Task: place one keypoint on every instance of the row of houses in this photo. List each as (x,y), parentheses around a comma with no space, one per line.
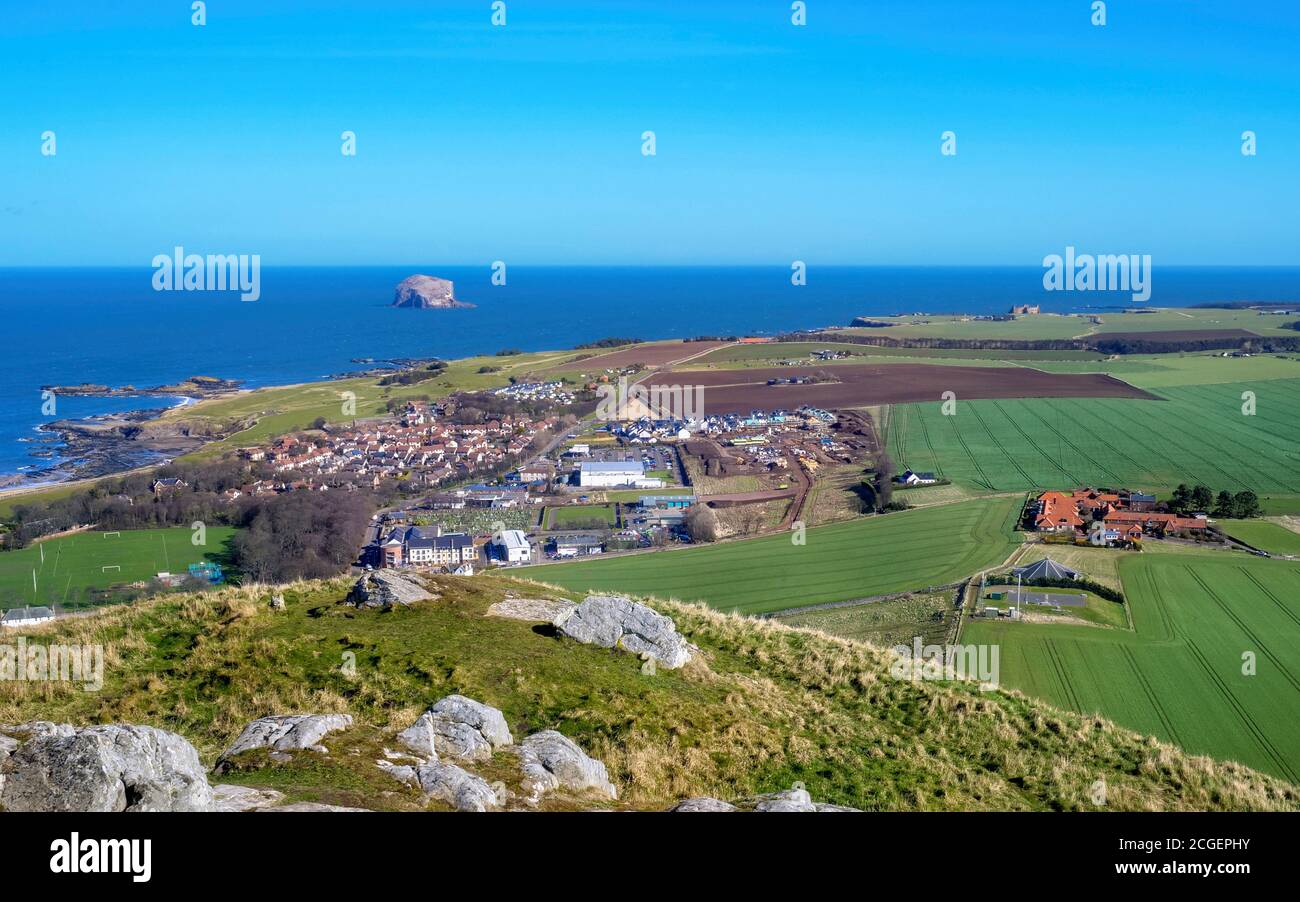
(418,446)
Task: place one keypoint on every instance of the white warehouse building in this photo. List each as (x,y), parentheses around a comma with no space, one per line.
(511,546)
(615,474)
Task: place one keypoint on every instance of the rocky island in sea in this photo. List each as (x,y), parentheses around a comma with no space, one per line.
(426,293)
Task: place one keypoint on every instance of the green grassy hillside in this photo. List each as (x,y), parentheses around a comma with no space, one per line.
(761,707)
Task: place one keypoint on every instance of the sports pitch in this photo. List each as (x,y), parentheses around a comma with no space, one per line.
(67,568)
(1179,674)
(856,559)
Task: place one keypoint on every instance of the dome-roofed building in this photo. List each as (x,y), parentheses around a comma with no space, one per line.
(1045,569)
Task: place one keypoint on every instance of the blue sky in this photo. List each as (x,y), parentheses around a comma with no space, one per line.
(775,142)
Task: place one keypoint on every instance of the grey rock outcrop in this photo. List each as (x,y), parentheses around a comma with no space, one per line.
(451,784)
(426,293)
(793,800)
(536,610)
(228,797)
(286,733)
(703,804)
(116,767)
(551,761)
(612,621)
(459,727)
(386,588)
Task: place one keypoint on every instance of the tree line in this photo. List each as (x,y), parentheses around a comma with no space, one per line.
(1228,505)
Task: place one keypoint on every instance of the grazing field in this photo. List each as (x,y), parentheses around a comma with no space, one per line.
(1199,435)
(893,621)
(864,385)
(74,565)
(1262,534)
(1049,325)
(1179,674)
(857,559)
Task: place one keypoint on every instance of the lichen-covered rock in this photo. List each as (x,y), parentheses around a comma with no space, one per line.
(459,727)
(535,610)
(703,804)
(551,761)
(612,621)
(451,784)
(228,797)
(386,588)
(116,767)
(286,733)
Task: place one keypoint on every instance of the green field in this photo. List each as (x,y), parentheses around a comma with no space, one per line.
(571,514)
(1198,435)
(1178,675)
(858,559)
(1263,535)
(75,564)
(1052,326)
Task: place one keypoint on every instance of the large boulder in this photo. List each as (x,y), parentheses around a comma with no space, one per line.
(551,761)
(459,727)
(385,588)
(116,767)
(451,784)
(612,621)
(286,733)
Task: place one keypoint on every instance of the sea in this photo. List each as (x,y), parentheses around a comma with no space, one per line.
(108,325)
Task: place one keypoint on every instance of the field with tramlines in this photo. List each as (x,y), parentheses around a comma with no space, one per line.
(857,559)
(1198,435)
(67,569)
(1179,674)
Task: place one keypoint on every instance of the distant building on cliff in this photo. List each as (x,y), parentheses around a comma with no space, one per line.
(1024,309)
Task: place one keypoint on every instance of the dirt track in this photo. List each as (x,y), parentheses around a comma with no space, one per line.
(740,391)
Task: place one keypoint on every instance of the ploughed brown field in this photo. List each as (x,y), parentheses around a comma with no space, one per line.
(1176,335)
(647,355)
(740,391)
